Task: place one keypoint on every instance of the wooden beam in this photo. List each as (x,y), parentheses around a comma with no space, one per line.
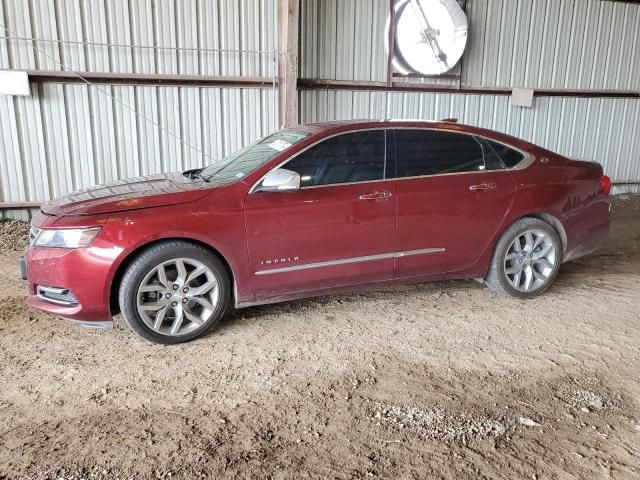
(391,41)
(288,22)
(321,84)
(19,205)
(104,78)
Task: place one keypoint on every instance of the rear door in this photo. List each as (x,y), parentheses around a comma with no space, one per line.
(450,204)
(336,230)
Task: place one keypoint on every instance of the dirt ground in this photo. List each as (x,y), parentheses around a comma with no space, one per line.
(443,380)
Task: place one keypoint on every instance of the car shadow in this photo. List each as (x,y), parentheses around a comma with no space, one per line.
(593,269)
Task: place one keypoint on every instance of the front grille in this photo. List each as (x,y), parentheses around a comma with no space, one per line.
(61,296)
(33,234)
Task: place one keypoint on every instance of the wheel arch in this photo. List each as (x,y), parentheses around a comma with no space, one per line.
(116,280)
(554,222)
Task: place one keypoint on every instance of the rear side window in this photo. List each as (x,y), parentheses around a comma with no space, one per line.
(433,152)
(499,156)
(352,157)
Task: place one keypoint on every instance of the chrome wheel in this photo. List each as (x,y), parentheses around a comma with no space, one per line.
(530,260)
(177,296)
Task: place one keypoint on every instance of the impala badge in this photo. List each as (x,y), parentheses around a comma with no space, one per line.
(278,261)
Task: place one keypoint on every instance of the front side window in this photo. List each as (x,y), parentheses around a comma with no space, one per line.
(434,152)
(352,157)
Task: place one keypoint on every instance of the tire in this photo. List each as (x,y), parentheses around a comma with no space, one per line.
(173,292)
(502,276)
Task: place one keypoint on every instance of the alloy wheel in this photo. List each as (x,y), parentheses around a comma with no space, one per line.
(530,260)
(177,296)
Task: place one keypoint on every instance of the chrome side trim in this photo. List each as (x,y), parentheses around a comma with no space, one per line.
(423,251)
(345,261)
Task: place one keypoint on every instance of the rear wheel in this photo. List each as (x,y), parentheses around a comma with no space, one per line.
(526,259)
(174,292)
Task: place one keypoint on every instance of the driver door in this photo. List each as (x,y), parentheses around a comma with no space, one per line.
(336,230)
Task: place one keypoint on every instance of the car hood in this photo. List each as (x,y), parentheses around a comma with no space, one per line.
(130,194)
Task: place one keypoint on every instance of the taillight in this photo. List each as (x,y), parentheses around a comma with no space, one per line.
(605,184)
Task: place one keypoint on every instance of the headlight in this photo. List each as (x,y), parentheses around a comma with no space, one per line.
(66,237)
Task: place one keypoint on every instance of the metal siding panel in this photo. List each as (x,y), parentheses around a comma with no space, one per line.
(104,133)
(209,59)
(229,35)
(4,43)
(125,127)
(59,167)
(506,46)
(11,171)
(165,27)
(562,42)
(119,33)
(79,134)
(473,57)
(148,131)
(17,18)
(142,34)
(530,43)
(549,45)
(170,146)
(628,49)
(520,42)
(231,118)
(191,131)
(70,25)
(187,32)
(96,31)
(43,17)
(32,141)
(597,62)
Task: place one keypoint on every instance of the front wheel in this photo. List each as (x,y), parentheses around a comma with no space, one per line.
(526,259)
(174,292)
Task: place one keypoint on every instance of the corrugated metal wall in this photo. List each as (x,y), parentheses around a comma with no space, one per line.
(190,37)
(579,128)
(540,44)
(572,44)
(65,137)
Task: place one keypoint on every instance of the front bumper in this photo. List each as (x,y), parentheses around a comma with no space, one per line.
(84,273)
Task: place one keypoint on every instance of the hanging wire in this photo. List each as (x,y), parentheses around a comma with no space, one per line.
(120,45)
(117,100)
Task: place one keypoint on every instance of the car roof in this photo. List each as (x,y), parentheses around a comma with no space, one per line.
(339,126)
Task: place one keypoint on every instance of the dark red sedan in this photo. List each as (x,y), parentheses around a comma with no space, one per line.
(312,210)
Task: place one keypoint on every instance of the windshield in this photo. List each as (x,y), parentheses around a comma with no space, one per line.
(237,165)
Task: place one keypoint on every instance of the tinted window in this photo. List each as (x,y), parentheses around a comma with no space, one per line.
(352,157)
(431,152)
(499,156)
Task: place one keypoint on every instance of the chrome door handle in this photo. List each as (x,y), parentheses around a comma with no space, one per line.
(482,187)
(376,196)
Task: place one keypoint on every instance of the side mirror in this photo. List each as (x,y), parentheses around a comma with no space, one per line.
(280,180)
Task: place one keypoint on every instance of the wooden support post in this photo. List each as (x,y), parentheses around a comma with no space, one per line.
(288,21)
(391,41)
